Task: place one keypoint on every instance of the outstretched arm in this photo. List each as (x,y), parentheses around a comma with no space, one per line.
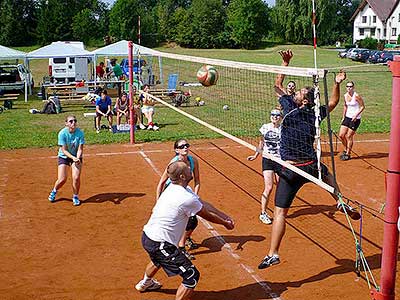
(286,57)
(210,213)
(334,99)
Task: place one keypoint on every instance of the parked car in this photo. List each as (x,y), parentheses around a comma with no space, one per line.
(373,56)
(354,52)
(387,56)
(13,77)
(362,55)
(344,53)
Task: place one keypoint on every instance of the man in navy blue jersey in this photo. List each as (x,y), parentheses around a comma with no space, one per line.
(297,148)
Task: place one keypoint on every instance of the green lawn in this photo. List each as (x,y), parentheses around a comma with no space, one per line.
(20,129)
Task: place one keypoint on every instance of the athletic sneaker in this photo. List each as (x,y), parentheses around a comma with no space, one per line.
(75,201)
(141,126)
(155,127)
(150,285)
(192,245)
(352,212)
(149,127)
(265,218)
(97,130)
(269,261)
(345,156)
(52,196)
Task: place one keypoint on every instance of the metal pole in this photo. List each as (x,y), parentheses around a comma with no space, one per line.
(131,113)
(139,31)
(390,231)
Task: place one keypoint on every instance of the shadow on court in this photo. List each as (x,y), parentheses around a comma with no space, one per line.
(261,291)
(115,198)
(214,243)
(371,155)
(312,210)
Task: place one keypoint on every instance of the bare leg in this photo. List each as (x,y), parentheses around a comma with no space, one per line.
(110,119)
(118,119)
(342,136)
(151,270)
(61,176)
(98,118)
(268,183)
(76,177)
(278,229)
(350,140)
(183,293)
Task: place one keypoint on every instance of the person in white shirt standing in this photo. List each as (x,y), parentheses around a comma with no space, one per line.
(353,108)
(269,144)
(165,227)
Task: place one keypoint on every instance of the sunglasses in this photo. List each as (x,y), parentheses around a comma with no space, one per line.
(275,115)
(72,121)
(349,86)
(183,146)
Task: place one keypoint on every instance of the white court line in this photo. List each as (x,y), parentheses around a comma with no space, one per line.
(160,151)
(224,244)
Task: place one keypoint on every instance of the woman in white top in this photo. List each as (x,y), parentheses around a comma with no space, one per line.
(271,136)
(353,108)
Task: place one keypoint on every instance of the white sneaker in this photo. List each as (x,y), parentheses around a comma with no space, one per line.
(155,127)
(265,218)
(97,130)
(141,126)
(149,127)
(150,285)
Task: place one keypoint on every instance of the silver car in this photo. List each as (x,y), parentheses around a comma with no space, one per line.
(13,77)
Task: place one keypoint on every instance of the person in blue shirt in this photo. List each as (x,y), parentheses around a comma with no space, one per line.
(104,109)
(297,148)
(70,154)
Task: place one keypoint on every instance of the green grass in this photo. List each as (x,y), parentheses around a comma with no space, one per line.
(20,129)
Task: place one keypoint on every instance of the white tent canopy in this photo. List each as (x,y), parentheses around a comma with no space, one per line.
(121,49)
(8,53)
(59,49)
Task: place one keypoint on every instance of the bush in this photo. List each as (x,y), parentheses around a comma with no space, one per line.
(369,43)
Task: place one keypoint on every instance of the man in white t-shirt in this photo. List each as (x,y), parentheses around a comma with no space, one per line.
(167,224)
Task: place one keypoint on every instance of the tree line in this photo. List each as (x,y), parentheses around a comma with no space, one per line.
(189,23)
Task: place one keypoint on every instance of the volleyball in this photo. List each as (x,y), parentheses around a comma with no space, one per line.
(225,107)
(207,75)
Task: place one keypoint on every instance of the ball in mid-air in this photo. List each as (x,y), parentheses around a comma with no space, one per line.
(207,75)
(225,107)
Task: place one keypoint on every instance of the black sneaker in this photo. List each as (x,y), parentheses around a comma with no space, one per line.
(269,261)
(352,212)
(192,245)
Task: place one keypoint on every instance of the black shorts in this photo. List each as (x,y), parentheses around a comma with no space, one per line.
(66,161)
(350,124)
(290,183)
(103,111)
(270,165)
(167,256)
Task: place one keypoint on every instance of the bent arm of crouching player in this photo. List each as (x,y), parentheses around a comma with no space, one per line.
(335,96)
(214,215)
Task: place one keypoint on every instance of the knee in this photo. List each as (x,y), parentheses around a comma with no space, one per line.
(191,277)
(62,180)
(192,223)
(349,136)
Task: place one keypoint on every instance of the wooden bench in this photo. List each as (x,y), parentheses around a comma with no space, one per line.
(7,97)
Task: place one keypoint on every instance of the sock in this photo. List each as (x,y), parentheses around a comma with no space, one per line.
(54,191)
(75,196)
(146,278)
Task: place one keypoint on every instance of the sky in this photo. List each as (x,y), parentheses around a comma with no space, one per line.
(270,2)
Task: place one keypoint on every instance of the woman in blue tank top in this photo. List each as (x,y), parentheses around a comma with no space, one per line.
(181,148)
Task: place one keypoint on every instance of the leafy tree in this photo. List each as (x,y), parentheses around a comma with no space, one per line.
(17,17)
(124,16)
(84,26)
(248,22)
(207,23)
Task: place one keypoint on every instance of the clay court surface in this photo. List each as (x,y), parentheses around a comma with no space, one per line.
(58,251)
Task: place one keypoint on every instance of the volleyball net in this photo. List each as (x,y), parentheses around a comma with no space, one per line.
(241,101)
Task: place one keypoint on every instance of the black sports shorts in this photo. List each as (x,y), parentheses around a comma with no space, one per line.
(169,257)
(350,124)
(290,182)
(270,165)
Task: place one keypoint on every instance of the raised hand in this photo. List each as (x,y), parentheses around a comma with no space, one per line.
(340,76)
(286,56)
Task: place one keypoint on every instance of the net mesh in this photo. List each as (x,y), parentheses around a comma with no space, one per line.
(239,103)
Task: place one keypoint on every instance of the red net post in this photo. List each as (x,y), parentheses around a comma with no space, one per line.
(391,233)
(132,121)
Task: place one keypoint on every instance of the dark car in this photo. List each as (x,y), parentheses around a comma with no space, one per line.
(362,55)
(344,53)
(387,56)
(373,56)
